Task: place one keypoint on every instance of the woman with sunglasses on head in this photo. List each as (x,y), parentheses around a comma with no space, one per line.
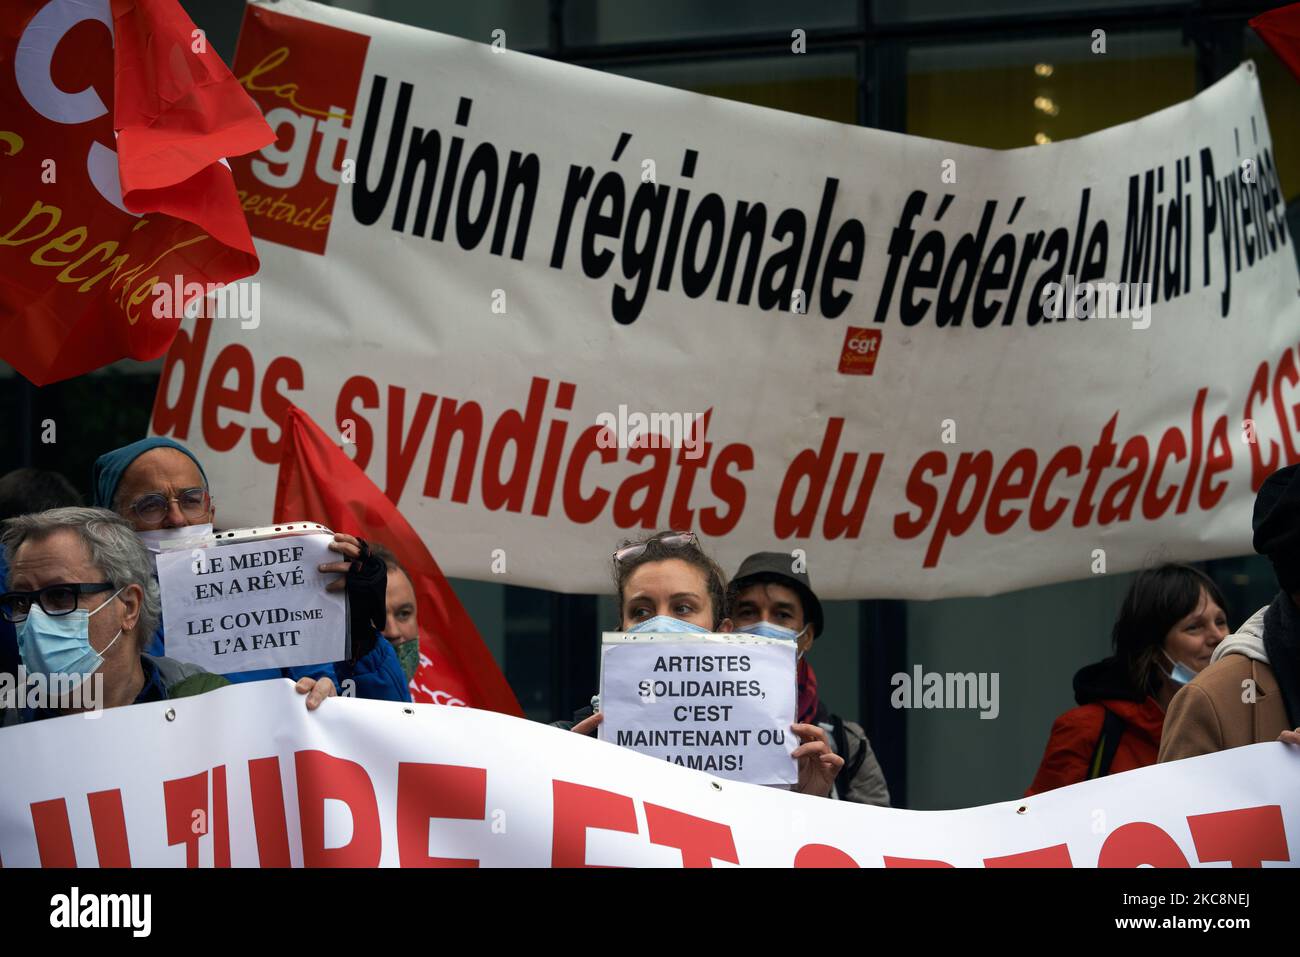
(667,584)
(160,488)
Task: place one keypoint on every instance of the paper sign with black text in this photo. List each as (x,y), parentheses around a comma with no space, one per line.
(721,703)
(251,605)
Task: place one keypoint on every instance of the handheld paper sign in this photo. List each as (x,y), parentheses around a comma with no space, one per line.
(721,703)
(253,598)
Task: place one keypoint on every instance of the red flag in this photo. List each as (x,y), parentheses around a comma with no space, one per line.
(115,118)
(319,483)
(1280,29)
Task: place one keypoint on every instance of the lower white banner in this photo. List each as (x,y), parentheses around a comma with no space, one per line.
(246,776)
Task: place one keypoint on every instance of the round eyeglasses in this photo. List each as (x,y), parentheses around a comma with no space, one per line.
(152,508)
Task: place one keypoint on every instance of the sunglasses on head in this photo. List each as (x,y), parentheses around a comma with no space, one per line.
(632,550)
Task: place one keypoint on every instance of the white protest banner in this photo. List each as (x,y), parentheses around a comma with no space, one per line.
(253,604)
(721,703)
(424,785)
(546,307)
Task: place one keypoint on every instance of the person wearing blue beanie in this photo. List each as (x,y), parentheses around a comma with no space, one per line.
(106,476)
(161,488)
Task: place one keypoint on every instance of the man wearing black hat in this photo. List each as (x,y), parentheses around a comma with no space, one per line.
(772,596)
(1250,691)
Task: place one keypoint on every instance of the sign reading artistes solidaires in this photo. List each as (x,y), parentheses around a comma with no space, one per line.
(546,308)
(721,703)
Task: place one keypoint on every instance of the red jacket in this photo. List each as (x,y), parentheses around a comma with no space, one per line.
(1073,743)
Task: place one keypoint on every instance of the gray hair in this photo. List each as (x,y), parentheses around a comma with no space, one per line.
(113,546)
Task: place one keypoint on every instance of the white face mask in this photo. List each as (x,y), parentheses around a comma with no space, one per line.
(159,538)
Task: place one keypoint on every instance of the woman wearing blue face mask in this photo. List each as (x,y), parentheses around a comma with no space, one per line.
(667,584)
(1168,627)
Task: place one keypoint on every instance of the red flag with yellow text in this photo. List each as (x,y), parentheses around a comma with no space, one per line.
(115,121)
(319,483)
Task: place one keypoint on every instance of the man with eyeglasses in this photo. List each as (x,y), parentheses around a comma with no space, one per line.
(159,486)
(23,491)
(82,596)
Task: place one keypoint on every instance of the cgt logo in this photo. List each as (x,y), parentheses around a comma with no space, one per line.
(34,69)
(304,76)
(861,346)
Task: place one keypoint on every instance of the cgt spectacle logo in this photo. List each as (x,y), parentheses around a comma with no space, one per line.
(861,346)
(305,77)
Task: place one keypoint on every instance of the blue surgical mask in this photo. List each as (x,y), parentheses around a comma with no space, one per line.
(767,629)
(60,645)
(661,624)
(1181,674)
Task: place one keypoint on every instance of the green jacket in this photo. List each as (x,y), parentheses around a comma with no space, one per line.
(184,680)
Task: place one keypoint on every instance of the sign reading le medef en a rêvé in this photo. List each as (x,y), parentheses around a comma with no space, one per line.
(721,703)
(253,604)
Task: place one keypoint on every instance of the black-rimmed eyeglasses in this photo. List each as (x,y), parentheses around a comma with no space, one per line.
(54,600)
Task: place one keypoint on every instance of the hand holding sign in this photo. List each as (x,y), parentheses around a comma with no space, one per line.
(818,764)
(349,546)
(365,578)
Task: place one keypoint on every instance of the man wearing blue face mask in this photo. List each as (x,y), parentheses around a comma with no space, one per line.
(82,596)
(23,491)
(769,597)
(159,486)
